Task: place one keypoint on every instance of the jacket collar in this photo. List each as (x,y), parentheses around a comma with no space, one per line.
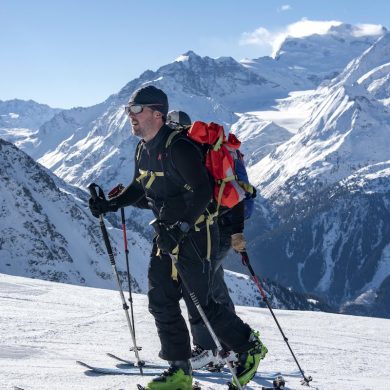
(158,139)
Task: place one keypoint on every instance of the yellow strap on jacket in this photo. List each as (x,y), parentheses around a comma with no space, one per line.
(152,175)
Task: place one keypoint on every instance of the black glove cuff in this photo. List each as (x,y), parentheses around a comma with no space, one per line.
(113,205)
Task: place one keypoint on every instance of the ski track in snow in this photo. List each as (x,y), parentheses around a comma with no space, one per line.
(45,327)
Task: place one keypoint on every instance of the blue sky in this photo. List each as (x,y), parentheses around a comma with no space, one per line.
(77,52)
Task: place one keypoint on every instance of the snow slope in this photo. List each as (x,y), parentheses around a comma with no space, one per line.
(45,327)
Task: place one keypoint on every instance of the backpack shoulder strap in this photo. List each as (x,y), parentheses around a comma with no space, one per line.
(138,150)
(171,137)
(176,136)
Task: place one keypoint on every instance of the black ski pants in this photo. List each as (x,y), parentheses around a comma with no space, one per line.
(218,288)
(165,293)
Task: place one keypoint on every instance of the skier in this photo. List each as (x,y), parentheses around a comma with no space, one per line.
(158,184)
(231,227)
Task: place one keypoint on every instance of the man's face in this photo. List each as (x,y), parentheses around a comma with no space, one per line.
(142,123)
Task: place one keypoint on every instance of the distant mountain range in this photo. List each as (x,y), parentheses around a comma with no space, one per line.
(315,130)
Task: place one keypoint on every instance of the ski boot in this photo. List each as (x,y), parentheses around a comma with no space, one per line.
(178,377)
(209,360)
(201,358)
(248,362)
(230,356)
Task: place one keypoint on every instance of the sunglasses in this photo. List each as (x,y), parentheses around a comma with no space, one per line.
(138,108)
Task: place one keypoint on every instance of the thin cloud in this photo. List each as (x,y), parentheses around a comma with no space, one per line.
(285,7)
(306,27)
(367,29)
(260,37)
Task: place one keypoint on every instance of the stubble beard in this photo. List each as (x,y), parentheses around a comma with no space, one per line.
(137,132)
(142,130)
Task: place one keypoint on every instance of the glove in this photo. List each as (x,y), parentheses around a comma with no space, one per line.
(100,206)
(238,242)
(254,192)
(169,236)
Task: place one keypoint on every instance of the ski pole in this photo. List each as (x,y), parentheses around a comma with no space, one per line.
(114,192)
(92,189)
(128,269)
(198,306)
(246,262)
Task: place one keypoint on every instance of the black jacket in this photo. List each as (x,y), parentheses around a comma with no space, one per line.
(231,221)
(184,191)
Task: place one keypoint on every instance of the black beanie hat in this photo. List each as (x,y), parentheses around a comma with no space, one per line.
(151,95)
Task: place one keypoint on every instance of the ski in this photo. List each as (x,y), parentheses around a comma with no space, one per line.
(130,363)
(278,383)
(272,388)
(134,370)
(155,369)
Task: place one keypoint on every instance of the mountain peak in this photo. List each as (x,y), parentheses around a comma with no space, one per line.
(187,56)
(327,53)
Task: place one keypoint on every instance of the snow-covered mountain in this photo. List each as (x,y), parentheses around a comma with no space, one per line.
(48,232)
(82,145)
(330,185)
(377,83)
(94,144)
(209,89)
(85,144)
(261,137)
(46,327)
(347,130)
(20,120)
(303,63)
(18,113)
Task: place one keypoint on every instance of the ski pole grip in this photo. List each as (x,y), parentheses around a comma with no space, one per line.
(92,190)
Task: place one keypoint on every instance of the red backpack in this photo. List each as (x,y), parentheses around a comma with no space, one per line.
(219,161)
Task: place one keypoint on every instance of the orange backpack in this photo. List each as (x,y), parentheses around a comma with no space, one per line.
(219,161)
